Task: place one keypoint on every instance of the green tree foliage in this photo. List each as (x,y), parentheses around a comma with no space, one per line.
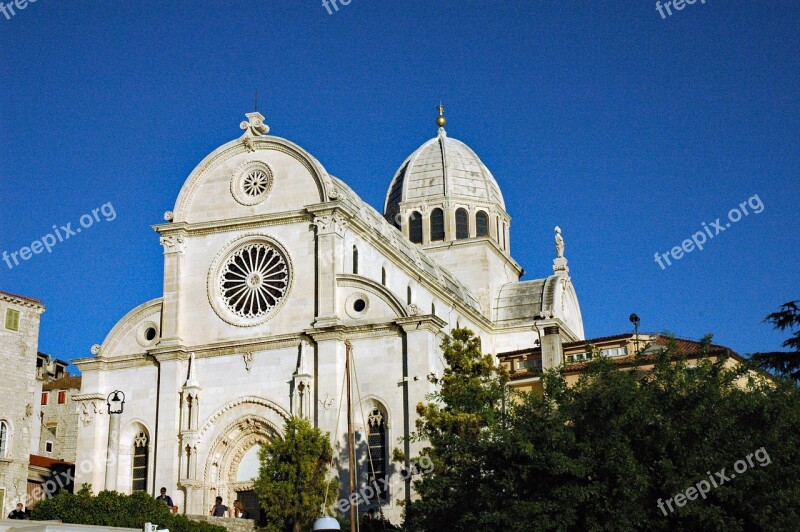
(784,363)
(293,477)
(600,454)
(110,508)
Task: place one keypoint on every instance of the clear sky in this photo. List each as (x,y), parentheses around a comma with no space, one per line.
(627,129)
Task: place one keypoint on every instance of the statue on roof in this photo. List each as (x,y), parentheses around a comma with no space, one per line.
(559,244)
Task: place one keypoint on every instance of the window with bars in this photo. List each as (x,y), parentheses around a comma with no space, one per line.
(437,225)
(481,224)
(415,227)
(376,440)
(141,454)
(462,224)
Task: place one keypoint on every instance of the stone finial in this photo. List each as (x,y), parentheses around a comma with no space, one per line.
(255,126)
(96,349)
(191,380)
(169,216)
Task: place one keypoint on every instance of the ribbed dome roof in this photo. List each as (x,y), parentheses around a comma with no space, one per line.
(443,167)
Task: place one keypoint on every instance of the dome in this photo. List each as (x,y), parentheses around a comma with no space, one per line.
(443,167)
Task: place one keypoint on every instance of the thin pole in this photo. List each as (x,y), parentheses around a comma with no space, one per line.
(351,452)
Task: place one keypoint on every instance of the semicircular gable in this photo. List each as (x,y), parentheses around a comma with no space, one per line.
(373,288)
(297,179)
(129,334)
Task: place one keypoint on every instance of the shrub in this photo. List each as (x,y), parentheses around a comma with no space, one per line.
(110,508)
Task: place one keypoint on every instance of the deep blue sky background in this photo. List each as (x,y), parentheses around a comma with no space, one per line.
(626,130)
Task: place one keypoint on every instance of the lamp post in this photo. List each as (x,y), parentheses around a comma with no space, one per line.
(633,318)
(116,404)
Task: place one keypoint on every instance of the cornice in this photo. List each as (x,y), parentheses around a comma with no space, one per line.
(233,224)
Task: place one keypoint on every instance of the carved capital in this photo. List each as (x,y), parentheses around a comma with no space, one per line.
(330,224)
(173,244)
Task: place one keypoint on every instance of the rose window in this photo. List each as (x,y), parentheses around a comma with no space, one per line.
(254,280)
(256,183)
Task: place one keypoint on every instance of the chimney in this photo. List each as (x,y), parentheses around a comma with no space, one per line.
(552,352)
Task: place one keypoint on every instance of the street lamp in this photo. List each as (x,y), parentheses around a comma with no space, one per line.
(633,318)
(116,404)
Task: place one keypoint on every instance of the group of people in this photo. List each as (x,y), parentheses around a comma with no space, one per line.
(218,510)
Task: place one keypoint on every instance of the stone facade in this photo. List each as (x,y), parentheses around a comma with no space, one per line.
(19,341)
(59,420)
(272,268)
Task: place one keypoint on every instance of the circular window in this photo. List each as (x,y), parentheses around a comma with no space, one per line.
(356,305)
(248,283)
(147,334)
(252,183)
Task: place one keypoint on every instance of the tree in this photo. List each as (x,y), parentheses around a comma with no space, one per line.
(110,508)
(293,478)
(610,451)
(784,363)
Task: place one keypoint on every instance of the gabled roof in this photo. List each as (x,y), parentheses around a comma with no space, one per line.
(22,298)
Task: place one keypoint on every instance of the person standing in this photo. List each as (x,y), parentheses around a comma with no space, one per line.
(219,509)
(19,513)
(167,500)
(239,511)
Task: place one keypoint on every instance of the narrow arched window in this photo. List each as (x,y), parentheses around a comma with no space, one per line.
(433,309)
(383,276)
(408,295)
(376,441)
(141,456)
(3,438)
(437,225)
(504,235)
(481,224)
(415,227)
(462,224)
(355,260)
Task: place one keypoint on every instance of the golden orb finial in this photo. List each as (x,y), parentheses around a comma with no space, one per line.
(440,120)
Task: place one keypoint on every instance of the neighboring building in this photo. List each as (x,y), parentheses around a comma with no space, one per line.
(270,265)
(19,342)
(525,365)
(59,421)
(48,368)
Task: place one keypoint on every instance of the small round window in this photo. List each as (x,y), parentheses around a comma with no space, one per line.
(150,334)
(359,305)
(251,183)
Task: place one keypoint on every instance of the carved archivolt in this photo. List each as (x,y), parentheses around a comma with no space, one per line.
(259,401)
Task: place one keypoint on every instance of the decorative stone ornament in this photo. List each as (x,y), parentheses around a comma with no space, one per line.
(253,127)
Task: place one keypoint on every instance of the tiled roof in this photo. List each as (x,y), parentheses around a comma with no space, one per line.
(43,461)
(28,299)
(68,382)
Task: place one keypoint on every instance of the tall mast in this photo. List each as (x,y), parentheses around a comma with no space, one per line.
(351,452)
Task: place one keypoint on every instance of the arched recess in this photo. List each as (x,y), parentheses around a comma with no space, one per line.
(135,469)
(224,440)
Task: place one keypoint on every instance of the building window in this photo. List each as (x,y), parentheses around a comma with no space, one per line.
(355,260)
(48,447)
(3,438)
(481,224)
(12,319)
(504,235)
(462,224)
(383,276)
(45,396)
(415,227)
(614,352)
(140,458)
(437,225)
(62,397)
(408,295)
(433,309)
(376,441)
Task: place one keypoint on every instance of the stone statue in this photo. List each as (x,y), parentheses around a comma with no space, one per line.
(559,244)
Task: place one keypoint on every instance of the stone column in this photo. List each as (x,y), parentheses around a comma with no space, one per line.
(174,245)
(330,261)
(112,452)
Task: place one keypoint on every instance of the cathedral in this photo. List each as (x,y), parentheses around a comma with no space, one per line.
(273,270)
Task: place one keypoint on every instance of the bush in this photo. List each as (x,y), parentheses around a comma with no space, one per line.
(110,508)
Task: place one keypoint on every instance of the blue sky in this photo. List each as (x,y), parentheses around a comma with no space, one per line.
(627,130)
